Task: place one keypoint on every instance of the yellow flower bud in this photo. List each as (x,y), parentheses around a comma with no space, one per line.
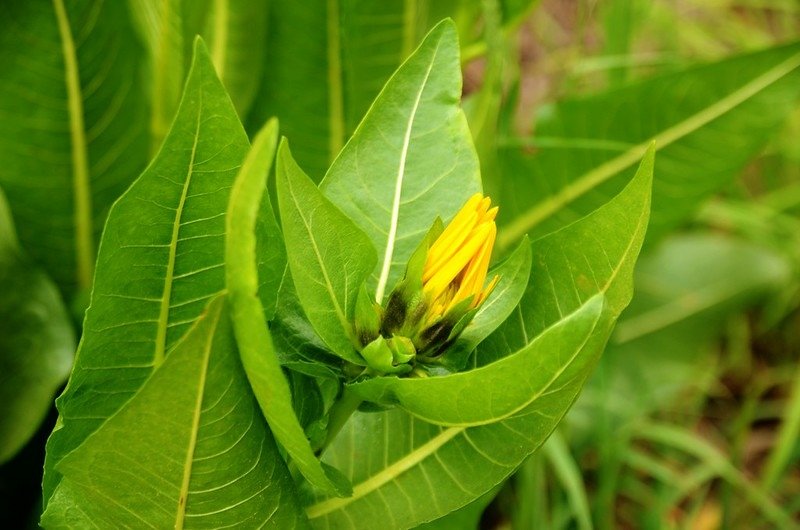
(458,261)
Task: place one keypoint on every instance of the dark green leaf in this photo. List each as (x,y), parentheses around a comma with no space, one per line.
(160,261)
(190,449)
(73,126)
(36,342)
(329,256)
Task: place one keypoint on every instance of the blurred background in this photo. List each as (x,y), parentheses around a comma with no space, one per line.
(692,417)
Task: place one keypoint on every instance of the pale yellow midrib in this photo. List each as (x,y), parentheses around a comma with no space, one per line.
(335,89)
(82,216)
(386,475)
(158,120)
(183,499)
(605,171)
(163,316)
(386,267)
(221,21)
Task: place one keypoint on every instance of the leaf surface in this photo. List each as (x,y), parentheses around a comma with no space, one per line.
(160,261)
(707,122)
(36,342)
(329,256)
(409,471)
(410,159)
(73,127)
(349,48)
(498,390)
(189,450)
(250,322)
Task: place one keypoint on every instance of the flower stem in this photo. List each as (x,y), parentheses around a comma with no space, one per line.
(339,414)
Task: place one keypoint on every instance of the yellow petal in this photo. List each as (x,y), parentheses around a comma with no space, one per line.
(455,265)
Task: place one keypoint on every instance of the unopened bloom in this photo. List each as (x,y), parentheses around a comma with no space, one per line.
(458,261)
(443,287)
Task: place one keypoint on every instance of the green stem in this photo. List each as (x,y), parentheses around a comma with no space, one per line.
(339,414)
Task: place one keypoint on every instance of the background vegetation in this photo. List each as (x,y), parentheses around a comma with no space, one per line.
(692,417)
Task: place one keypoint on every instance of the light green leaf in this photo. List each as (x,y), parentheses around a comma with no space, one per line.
(250,323)
(36,342)
(73,126)
(409,471)
(707,122)
(165,459)
(160,261)
(411,158)
(501,389)
(160,27)
(329,256)
(686,290)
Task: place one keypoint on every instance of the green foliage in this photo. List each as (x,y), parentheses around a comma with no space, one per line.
(246,366)
(74,125)
(36,341)
(160,261)
(179,469)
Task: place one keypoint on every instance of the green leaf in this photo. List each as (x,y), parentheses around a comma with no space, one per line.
(501,389)
(160,261)
(410,159)
(73,126)
(36,342)
(235,31)
(707,122)
(328,59)
(329,256)
(409,471)
(165,459)
(160,27)
(250,323)
(686,290)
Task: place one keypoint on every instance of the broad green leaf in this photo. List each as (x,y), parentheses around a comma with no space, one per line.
(685,292)
(707,122)
(250,322)
(73,126)
(160,27)
(36,342)
(411,158)
(501,389)
(190,449)
(327,60)
(409,471)
(329,256)
(160,261)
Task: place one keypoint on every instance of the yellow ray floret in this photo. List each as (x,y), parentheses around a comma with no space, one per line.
(458,261)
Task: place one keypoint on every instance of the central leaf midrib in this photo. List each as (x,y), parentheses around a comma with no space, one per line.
(335,89)
(221,16)
(163,317)
(183,498)
(395,218)
(82,199)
